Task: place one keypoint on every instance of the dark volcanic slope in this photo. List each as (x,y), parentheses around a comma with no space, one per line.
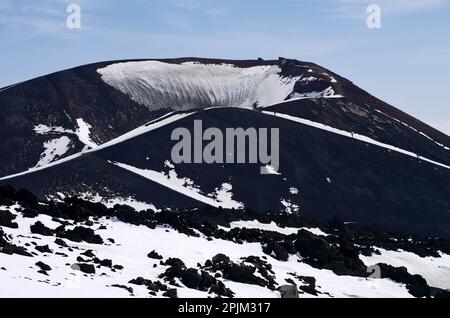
(335,176)
(363,99)
(366,120)
(93,176)
(60,99)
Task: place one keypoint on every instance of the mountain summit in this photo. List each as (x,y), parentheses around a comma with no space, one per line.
(102,132)
(215,178)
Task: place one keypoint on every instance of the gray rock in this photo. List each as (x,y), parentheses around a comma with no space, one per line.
(288,291)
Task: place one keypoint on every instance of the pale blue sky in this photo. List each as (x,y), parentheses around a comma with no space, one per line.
(406,62)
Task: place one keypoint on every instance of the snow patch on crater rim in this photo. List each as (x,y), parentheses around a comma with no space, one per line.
(191,85)
(326,93)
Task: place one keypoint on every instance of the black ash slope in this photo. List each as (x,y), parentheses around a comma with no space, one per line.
(336,176)
(59,99)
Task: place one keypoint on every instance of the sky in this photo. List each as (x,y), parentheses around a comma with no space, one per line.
(406,62)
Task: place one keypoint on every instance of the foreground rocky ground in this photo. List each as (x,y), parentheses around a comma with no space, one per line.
(74,248)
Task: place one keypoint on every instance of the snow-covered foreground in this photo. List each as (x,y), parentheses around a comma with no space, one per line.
(129,247)
(191,85)
(436,271)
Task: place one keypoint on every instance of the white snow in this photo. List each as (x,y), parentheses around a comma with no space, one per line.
(326,93)
(192,85)
(289,206)
(184,186)
(268,169)
(332,79)
(225,197)
(436,271)
(84,133)
(354,136)
(293,191)
(130,250)
(153,125)
(54,149)
(273,227)
(309,79)
(111,202)
(168,164)
(165,120)
(42,129)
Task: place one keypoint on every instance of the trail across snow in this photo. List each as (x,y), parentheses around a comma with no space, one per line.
(354,136)
(42,129)
(222,197)
(414,129)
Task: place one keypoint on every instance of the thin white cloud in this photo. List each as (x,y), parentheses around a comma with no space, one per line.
(190,5)
(27,19)
(176,20)
(5,5)
(195,8)
(214,12)
(44,9)
(357,8)
(250,44)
